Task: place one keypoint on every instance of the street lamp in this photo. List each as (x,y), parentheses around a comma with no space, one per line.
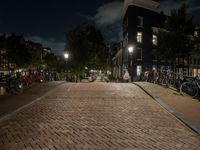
(66,55)
(130,50)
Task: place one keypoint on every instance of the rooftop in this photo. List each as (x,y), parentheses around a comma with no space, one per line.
(147,4)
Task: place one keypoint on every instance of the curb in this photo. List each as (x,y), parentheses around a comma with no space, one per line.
(9,114)
(171,111)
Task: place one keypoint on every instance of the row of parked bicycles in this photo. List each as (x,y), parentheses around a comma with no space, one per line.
(187,86)
(14,84)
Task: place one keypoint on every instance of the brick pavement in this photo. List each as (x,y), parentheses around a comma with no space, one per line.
(9,103)
(187,107)
(95,116)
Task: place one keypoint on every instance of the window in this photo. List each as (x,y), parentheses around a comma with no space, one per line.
(125,42)
(139,54)
(155,40)
(139,37)
(139,70)
(194,61)
(196,34)
(154,68)
(140,21)
(190,60)
(2,51)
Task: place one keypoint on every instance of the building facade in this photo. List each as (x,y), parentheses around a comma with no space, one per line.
(11,46)
(117,71)
(112,49)
(141,25)
(140,17)
(5,63)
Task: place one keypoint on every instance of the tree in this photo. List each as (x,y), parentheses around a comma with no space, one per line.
(35,49)
(50,60)
(17,51)
(196,49)
(86,47)
(176,42)
(172,45)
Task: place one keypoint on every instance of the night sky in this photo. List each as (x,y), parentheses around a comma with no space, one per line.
(47,21)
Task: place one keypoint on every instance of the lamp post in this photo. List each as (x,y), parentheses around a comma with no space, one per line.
(130,50)
(66,56)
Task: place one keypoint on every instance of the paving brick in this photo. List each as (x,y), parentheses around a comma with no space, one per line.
(95,116)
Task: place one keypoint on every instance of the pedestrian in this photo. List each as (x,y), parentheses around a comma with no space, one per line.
(126,76)
(106,79)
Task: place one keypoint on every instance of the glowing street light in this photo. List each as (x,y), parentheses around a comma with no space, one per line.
(130,50)
(66,55)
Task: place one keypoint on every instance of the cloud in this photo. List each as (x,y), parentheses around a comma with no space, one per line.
(193,7)
(109,20)
(109,13)
(56,46)
(112,33)
(167,5)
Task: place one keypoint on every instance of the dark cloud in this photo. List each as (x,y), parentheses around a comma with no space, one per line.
(109,13)
(113,32)
(109,20)
(54,18)
(193,7)
(109,16)
(167,5)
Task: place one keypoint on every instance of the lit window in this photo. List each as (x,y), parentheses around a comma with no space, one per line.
(139,37)
(154,68)
(196,34)
(155,40)
(2,51)
(140,21)
(139,70)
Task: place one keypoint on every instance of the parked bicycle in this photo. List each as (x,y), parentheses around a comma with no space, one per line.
(165,77)
(12,85)
(190,87)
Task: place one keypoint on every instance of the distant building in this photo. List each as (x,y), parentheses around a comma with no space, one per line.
(11,43)
(46,50)
(141,24)
(112,49)
(194,59)
(3,54)
(38,52)
(6,40)
(117,70)
(140,17)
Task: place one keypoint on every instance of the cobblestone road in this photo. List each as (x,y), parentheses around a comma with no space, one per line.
(95,116)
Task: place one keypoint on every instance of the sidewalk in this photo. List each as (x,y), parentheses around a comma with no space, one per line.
(10,103)
(184,108)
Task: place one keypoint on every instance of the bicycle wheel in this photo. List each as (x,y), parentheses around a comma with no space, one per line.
(165,82)
(189,89)
(16,87)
